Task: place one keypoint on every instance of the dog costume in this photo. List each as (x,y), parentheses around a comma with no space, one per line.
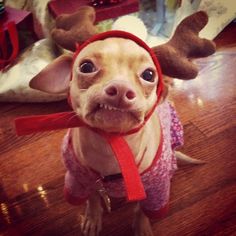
(80,181)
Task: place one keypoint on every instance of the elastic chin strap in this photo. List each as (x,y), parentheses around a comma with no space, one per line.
(123,153)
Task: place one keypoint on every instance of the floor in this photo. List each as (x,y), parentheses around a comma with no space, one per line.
(203,198)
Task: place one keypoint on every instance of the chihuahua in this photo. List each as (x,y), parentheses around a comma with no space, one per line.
(112,83)
(114,91)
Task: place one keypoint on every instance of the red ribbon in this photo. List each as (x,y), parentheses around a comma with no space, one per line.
(129,170)
(32,124)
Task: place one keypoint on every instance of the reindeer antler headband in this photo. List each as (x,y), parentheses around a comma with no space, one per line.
(174,56)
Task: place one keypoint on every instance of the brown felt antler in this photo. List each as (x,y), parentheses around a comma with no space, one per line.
(74,28)
(175,56)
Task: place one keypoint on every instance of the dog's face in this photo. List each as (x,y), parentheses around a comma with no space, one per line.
(113,84)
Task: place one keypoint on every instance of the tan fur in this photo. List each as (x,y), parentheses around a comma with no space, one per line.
(187,159)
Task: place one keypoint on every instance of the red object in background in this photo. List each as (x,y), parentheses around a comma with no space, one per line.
(7,57)
(24,24)
(58,7)
(16,33)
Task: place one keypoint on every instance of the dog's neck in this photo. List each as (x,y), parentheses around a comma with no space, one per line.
(93,150)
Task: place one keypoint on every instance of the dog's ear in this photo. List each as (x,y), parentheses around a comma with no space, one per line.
(55,77)
(70,29)
(167,83)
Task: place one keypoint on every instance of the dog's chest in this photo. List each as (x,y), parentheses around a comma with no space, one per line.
(94,151)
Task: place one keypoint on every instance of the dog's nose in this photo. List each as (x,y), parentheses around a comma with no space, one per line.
(120,91)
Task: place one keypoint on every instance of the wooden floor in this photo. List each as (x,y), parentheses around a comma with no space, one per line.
(203,198)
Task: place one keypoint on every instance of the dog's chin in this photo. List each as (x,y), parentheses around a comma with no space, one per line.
(114,120)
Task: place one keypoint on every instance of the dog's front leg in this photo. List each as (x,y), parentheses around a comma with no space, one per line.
(92,223)
(142,225)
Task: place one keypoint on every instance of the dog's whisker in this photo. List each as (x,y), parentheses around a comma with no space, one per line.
(71,118)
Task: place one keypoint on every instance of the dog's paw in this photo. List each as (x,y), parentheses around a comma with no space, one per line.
(91,224)
(143,229)
(142,225)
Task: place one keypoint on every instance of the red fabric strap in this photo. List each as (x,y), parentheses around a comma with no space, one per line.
(13,35)
(3,45)
(129,170)
(33,124)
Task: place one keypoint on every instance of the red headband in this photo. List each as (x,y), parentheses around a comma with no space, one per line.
(124,156)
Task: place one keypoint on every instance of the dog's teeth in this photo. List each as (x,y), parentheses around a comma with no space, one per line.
(110,108)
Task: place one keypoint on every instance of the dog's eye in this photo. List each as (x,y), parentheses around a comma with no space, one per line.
(148,75)
(87,67)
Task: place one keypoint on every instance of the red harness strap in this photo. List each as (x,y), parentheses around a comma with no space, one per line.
(129,170)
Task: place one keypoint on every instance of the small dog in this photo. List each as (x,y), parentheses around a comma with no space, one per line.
(113,82)
(114,91)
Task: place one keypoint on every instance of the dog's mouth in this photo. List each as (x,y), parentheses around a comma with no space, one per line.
(110,112)
(114,118)
(105,107)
